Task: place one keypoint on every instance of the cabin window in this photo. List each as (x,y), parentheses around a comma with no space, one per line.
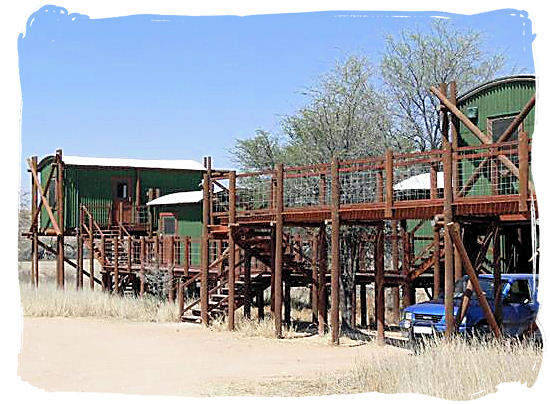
(168,225)
(519,291)
(52,197)
(499,125)
(122,190)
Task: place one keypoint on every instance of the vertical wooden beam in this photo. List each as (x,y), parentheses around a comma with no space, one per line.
(79,258)
(181,299)
(34,229)
(523,155)
(335,251)
(437,269)
(288,286)
(457,261)
(455,126)
(497,268)
(170,261)
(379,284)
(389,184)
(60,220)
(91,252)
(260,304)
(272,262)
(105,285)
(205,246)
(363,302)
(115,261)
(322,289)
(395,267)
(231,278)
(156,251)
(315,279)
(448,218)
(247,284)
(455,235)
(279,250)
(408,290)
(142,258)
(433,181)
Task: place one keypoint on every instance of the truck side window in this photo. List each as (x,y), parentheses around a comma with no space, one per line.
(519,291)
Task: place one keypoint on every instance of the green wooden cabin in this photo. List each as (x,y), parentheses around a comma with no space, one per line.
(491,106)
(117,190)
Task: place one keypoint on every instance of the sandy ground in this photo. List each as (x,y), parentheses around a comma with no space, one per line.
(61,354)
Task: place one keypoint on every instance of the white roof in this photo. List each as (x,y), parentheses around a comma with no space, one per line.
(420,181)
(177,198)
(137,163)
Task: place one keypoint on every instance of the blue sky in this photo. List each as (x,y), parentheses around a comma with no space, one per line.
(176,87)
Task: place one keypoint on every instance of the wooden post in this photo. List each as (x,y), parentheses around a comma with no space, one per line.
(205,247)
(437,269)
(79,258)
(115,259)
(448,218)
(279,251)
(272,266)
(260,304)
(231,279)
(247,284)
(523,155)
(186,255)
(389,184)
(379,284)
(363,301)
(91,252)
(315,280)
(34,229)
(395,268)
(457,261)
(181,299)
(288,286)
(170,262)
(335,250)
(455,235)
(106,272)
(497,277)
(142,266)
(60,220)
(408,290)
(323,261)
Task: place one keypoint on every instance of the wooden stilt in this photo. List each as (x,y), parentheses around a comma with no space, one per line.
(437,269)
(395,267)
(115,262)
(260,304)
(363,301)
(379,284)
(170,261)
(142,266)
(497,277)
(60,220)
(287,317)
(279,252)
(79,259)
(247,284)
(272,278)
(315,280)
(91,252)
(231,275)
(105,279)
(205,248)
(323,263)
(335,251)
(34,227)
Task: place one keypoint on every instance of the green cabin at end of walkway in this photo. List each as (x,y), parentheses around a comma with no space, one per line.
(180,214)
(115,191)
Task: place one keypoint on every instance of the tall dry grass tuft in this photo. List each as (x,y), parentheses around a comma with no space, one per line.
(460,370)
(48,301)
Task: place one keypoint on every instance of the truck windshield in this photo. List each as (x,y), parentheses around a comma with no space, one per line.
(485,283)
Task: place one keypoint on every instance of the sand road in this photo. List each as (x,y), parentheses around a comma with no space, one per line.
(61,354)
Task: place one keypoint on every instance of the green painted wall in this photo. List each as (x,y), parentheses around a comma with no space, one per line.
(501,98)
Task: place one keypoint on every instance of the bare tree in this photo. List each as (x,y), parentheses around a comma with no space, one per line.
(416,60)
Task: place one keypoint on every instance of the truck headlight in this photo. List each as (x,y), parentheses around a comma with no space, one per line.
(407,324)
(408,315)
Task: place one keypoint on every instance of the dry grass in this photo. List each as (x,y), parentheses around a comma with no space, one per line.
(48,301)
(461,370)
(253,327)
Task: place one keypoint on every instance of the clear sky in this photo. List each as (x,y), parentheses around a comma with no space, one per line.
(176,87)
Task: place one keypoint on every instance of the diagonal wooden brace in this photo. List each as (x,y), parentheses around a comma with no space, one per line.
(44,200)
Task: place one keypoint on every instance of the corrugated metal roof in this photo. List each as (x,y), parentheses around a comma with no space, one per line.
(177,198)
(501,80)
(190,165)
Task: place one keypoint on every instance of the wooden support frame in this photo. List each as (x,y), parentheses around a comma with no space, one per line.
(60,206)
(205,255)
(247,284)
(142,257)
(335,251)
(455,235)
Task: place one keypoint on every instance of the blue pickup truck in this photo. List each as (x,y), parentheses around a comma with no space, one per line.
(519,308)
